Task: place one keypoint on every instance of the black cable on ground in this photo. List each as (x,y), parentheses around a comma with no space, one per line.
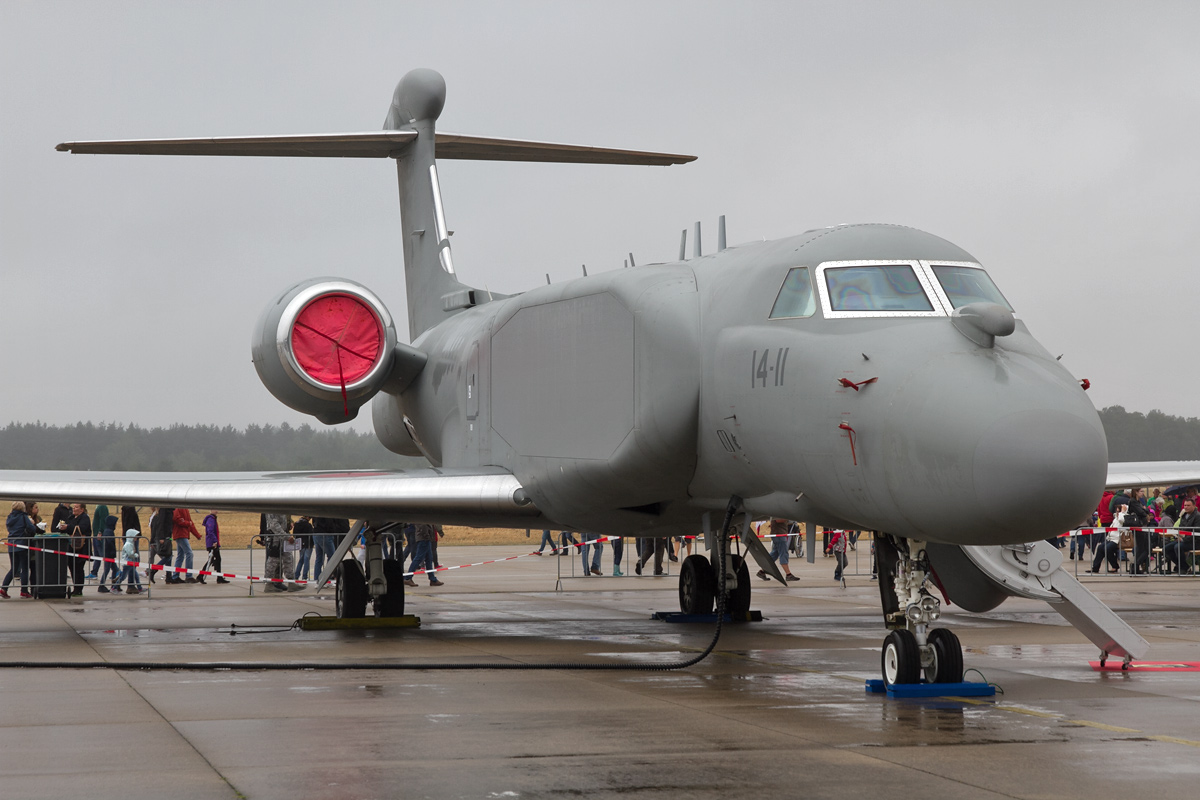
(321,666)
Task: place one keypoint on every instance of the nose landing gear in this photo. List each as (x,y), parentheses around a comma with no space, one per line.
(912,647)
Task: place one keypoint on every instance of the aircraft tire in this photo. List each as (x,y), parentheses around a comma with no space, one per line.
(392,602)
(739,599)
(697,586)
(947,657)
(350,599)
(901,660)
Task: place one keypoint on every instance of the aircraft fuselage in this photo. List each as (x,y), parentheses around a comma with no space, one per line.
(634,401)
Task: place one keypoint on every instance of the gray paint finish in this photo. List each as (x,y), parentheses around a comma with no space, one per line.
(638,401)
(563,378)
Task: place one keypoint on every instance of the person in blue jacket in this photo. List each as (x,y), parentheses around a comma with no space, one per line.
(20,531)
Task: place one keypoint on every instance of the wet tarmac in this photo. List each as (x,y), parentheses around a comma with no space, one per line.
(779,709)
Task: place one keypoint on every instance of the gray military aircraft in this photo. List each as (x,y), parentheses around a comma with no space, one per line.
(859,376)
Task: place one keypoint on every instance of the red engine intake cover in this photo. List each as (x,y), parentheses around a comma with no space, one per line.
(336,339)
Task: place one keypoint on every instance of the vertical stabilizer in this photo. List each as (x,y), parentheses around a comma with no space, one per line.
(408,135)
(428,265)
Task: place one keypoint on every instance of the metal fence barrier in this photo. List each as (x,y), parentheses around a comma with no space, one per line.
(53,562)
(1157,543)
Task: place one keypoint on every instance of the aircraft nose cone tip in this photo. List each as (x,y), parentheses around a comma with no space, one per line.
(1039,473)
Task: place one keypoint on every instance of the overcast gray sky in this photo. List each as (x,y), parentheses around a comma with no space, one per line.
(1057,142)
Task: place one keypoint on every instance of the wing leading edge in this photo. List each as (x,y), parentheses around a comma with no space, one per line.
(476,498)
(378,144)
(1128,474)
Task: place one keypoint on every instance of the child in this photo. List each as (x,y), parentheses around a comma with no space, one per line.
(212,543)
(108,550)
(130,560)
(837,543)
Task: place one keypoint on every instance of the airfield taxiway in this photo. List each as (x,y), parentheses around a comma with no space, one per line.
(778,710)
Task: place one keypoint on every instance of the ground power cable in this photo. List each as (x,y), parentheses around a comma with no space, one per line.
(323,666)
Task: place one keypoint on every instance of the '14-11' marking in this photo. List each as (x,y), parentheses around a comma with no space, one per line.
(764,372)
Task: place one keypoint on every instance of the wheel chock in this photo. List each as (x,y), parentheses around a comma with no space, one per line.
(966,689)
(315,623)
(678,616)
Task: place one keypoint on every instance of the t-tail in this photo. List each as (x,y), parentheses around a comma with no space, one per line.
(434,292)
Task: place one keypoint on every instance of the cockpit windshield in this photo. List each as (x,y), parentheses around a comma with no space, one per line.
(795,298)
(964,285)
(892,287)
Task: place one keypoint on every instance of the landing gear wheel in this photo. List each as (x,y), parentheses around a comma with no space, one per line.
(697,586)
(738,601)
(947,664)
(350,599)
(901,658)
(392,602)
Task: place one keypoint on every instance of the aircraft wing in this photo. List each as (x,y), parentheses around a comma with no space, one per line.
(1129,474)
(377,144)
(485,497)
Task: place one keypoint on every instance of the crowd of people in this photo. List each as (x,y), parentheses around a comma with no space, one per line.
(1129,517)
(88,540)
(783,536)
(106,549)
(108,546)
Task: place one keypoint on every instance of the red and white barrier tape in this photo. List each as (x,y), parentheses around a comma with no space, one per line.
(153,567)
(255,578)
(230,575)
(1187,531)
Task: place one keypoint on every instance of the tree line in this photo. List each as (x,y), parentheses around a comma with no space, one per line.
(192,448)
(1132,436)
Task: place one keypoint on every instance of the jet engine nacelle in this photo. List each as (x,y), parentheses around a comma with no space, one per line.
(325,347)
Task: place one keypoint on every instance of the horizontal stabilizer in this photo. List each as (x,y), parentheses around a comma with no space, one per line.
(487,148)
(376,144)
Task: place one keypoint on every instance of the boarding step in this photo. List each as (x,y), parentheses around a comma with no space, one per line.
(1035,571)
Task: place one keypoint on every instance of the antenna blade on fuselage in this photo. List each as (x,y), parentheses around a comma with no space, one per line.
(489,148)
(374,144)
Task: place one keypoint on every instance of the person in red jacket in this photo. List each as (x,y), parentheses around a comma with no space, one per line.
(1105,520)
(181,528)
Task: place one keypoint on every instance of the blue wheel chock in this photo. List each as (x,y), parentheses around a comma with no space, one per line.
(966,689)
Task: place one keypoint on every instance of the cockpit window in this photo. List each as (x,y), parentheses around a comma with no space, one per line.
(796,298)
(892,287)
(964,285)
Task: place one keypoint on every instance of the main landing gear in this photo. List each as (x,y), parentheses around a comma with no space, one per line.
(909,608)
(699,581)
(381,585)
(698,586)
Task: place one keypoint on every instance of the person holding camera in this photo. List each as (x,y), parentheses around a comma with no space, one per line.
(1138,516)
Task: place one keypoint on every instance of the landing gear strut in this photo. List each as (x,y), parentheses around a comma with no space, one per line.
(699,579)
(909,608)
(382,585)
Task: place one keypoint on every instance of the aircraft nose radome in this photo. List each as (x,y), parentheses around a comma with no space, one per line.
(1039,472)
